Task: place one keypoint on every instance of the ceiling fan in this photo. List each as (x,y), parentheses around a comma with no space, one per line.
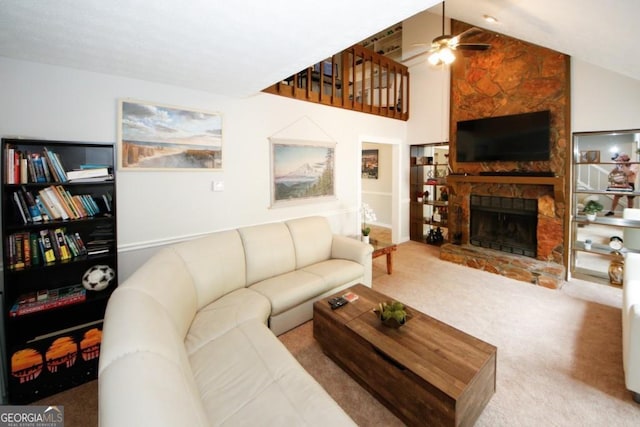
(443,47)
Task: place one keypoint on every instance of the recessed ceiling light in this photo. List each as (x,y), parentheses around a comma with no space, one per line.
(490,19)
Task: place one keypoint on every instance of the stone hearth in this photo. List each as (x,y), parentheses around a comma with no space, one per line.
(543,273)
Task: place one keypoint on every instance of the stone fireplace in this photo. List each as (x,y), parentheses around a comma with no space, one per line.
(512,77)
(506,224)
(522,236)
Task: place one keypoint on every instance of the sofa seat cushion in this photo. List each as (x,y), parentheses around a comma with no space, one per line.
(336,272)
(247,377)
(148,389)
(224,314)
(290,289)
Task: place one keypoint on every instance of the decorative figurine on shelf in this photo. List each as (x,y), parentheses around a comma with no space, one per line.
(444,194)
(435,236)
(622,178)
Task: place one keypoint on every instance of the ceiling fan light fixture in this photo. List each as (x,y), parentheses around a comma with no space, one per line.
(447,56)
(444,55)
(434,58)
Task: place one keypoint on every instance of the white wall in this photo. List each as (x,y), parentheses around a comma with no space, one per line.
(602,100)
(154,208)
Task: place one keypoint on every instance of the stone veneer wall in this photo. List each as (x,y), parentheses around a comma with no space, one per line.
(511,77)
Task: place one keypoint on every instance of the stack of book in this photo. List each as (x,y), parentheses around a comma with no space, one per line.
(620,187)
(90,173)
(56,202)
(23,167)
(26,249)
(100,240)
(47,299)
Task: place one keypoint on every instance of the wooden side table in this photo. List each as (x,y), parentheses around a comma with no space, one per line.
(384,248)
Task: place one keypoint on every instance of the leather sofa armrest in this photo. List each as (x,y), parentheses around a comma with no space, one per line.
(348,248)
(344,247)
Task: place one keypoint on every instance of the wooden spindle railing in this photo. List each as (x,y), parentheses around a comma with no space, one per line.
(356,79)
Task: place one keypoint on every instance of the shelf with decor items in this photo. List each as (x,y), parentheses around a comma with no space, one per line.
(603,188)
(59,262)
(429,205)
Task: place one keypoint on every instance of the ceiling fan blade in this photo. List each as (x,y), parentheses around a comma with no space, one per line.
(473,46)
(417,55)
(470,32)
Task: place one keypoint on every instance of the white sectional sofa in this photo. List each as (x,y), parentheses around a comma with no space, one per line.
(631,323)
(186,339)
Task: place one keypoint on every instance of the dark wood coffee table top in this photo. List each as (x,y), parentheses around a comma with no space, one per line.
(450,364)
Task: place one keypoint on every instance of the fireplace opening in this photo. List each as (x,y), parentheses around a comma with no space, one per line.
(504,223)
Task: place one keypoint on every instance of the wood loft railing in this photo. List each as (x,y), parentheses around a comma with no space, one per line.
(356,79)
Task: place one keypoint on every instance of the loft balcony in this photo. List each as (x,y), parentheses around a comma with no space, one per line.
(356,79)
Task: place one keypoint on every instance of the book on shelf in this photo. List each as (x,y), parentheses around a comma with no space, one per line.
(46,246)
(26,249)
(20,250)
(12,156)
(27,206)
(47,299)
(89,174)
(56,165)
(59,203)
(48,206)
(21,205)
(625,188)
(32,206)
(23,167)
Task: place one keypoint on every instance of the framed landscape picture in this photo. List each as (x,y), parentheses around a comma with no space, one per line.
(370,164)
(152,137)
(301,171)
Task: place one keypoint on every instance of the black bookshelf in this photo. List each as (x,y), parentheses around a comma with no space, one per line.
(54,231)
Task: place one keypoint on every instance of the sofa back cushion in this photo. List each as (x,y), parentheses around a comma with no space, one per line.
(166,279)
(216,263)
(268,250)
(312,239)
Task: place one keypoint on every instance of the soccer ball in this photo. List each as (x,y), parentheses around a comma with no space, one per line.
(98,277)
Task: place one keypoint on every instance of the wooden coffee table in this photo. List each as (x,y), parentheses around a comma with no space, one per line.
(426,372)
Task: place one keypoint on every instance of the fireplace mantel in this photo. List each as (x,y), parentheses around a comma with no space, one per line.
(556,181)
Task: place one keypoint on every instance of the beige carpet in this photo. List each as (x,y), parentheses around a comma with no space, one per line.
(559,352)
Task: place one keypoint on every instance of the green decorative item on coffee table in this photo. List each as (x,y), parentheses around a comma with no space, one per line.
(392,314)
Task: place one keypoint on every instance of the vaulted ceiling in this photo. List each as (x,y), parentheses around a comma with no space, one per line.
(239,47)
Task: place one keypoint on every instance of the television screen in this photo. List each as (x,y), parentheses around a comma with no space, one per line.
(517,137)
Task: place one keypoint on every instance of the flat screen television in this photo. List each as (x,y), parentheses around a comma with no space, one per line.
(516,137)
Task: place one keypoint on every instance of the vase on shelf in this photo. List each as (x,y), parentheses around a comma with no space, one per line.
(365,239)
(616,269)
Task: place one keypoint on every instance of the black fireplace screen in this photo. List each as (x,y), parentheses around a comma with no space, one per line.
(504,223)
